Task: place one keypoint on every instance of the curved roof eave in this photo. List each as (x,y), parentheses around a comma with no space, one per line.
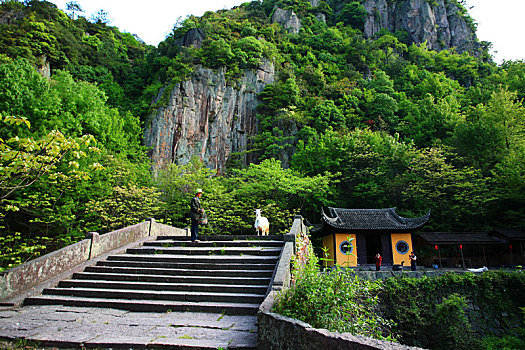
(389,218)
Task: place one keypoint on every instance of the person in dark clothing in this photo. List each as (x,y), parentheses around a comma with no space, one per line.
(195,214)
(413,259)
(379,259)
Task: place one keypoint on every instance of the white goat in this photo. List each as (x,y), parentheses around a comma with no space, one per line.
(481,269)
(262,226)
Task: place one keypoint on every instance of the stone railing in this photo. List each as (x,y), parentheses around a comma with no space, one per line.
(32,273)
(279,332)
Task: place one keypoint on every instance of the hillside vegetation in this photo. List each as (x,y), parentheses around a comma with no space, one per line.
(377,122)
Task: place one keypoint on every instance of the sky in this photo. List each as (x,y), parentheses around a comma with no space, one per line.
(500,22)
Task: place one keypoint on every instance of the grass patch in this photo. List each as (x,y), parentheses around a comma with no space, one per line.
(186,337)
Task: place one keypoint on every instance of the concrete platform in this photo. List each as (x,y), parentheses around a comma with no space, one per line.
(76,327)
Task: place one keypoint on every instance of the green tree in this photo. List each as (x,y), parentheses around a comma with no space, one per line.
(492,130)
(230,201)
(508,114)
(429,120)
(249,51)
(326,114)
(457,197)
(216,53)
(387,48)
(353,14)
(26,160)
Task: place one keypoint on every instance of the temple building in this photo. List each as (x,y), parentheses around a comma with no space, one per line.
(353,237)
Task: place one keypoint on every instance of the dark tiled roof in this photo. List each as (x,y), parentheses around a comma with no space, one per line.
(511,233)
(371,219)
(460,237)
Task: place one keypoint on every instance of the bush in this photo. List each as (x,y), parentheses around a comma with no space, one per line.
(454,310)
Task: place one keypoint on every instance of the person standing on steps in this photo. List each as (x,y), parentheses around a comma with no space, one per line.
(379,259)
(195,214)
(413,259)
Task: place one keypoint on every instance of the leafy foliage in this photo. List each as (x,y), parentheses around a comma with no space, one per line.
(445,312)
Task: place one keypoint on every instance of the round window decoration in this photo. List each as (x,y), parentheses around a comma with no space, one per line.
(402,247)
(346,247)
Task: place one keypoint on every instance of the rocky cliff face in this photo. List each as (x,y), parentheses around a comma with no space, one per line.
(207,118)
(440,25)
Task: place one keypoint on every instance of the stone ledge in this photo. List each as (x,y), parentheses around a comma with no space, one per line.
(281,332)
(24,278)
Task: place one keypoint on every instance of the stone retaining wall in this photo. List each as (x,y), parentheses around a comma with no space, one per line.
(32,273)
(158,229)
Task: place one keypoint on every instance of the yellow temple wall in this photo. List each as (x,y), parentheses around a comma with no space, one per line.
(398,257)
(342,259)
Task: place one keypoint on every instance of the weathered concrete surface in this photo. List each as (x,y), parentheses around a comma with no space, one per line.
(35,289)
(64,326)
(112,240)
(32,273)
(282,274)
(158,229)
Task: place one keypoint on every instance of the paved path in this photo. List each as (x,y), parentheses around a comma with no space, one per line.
(64,326)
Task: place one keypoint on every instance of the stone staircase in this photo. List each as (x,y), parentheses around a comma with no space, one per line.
(219,274)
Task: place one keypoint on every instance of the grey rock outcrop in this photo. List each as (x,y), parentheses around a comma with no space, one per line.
(11,16)
(287,19)
(460,34)
(44,67)
(207,118)
(193,37)
(321,17)
(441,26)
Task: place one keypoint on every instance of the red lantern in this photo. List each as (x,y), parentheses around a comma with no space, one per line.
(510,246)
(436,247)
(461,246)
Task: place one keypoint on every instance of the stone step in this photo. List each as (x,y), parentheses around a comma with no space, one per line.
(190,266)
(146,305)
(224,238)
(172,279)
(189,287)
(242,251)
(131,294)
(179,272)
(181,243)
(216,259)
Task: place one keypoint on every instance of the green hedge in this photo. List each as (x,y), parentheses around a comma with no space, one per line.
(456,310)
